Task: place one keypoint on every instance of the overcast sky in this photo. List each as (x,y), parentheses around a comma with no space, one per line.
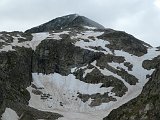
(140,18)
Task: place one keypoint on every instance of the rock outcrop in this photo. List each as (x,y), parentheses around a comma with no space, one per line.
(61,23)
(147,105)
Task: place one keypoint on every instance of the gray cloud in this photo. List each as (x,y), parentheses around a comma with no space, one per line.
(137,17)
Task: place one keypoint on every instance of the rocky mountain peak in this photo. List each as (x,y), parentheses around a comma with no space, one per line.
(72,67)
(68,21)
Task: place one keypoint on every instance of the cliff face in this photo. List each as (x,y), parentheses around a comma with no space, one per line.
(15,75)
(81,71)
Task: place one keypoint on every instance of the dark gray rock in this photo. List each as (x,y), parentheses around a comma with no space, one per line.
(64,22)
(96,77)
(99,48)
(129,65)
(151,64)
(147,105)
(15,76)
(123,41)
(103,61)
(60,56)
(97,99)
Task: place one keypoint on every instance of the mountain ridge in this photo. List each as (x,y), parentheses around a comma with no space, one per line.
(68,21)
(73,73)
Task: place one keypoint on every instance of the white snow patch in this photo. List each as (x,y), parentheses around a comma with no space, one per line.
(88,27)
(9,114)
(64,89)
(56,36)
(67,83)
(37,38)
(19,36)
(87,71)
(73,69)
(79,116)
(136,61)
(2,40)
(92,42)
(9,47)
(138,71)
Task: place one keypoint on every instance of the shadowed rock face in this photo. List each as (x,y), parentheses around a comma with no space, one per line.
(147,105)
(15,75)
(69,21)
(60,56)
(122,41)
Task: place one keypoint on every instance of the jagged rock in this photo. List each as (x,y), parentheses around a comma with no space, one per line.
(96,77)
(15,75)
(129,65)
(69,21)
(103,63)
(60,56)
(97,99)
(75,49)
(123,41)
(147,105)
(97,48)
(37,92)
(151,64)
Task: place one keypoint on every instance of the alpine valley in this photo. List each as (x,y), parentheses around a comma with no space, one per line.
(72,68)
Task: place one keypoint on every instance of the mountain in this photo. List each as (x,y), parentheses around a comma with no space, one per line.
(73,68)
(68,21)
(147,105)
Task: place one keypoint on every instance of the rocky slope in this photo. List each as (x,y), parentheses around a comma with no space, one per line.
(72,68)
(147,105)
(68,21)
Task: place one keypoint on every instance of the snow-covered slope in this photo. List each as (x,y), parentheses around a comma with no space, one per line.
(82,74)
(62,91)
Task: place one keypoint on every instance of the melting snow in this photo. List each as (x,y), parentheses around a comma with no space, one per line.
(136,61)
(37,38)
(64,89)
(95,42)
(9,114)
